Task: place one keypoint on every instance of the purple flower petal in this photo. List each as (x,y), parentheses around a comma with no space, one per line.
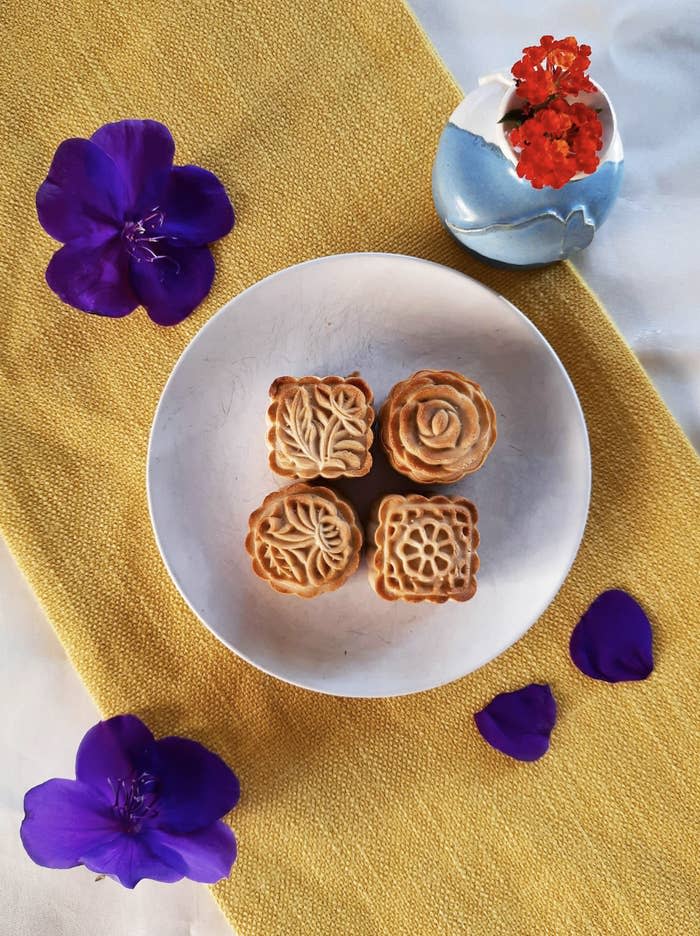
(519,723)
(613,639)
(170,288)
(63,819)
(129,859)
(195,786)
(93,277)
(143,152)
(209,854)
(112,750)
(83,196)
(196,207)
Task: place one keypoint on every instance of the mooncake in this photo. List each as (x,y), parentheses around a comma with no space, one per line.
(423,548)
(304,540)
(437,427)
(320,427)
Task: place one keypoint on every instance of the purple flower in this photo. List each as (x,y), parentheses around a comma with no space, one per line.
(519,723)
(613,640)
(138,808)
(134,227)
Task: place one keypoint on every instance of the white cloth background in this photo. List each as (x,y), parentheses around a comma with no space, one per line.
(641,264)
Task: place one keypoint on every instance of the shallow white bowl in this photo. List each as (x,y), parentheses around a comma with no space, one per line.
(387,316)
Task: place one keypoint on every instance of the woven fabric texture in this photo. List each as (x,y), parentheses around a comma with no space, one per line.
(358,818)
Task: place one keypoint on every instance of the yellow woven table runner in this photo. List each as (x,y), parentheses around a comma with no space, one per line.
(358,818)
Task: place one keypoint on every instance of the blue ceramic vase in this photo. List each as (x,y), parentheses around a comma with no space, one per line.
(502,218)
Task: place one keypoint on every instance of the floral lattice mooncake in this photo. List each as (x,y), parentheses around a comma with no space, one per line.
(304,540)
(437,427)
(423,548)
(320,427)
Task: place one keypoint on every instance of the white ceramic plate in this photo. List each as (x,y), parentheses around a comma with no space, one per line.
(387,316)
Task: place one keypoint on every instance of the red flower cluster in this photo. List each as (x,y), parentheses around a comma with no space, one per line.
(553,137)
(555,66)
(557,142)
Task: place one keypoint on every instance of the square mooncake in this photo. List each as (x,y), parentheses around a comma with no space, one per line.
(320,427)
(423,548)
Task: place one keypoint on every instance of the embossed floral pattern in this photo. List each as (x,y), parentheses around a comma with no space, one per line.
(423,548)
(307,543)
(304,540)
(320,427)
(437,427)
(427,549)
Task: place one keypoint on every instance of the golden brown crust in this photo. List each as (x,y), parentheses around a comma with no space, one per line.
(437,427)
(320,427)
(304,540)
(423,548)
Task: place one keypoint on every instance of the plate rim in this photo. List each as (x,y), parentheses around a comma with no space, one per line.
(328,258)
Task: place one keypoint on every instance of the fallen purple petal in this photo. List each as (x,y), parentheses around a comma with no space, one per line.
(519,723)
(207,854)
(195,786)
(63,819)
(129,859)
(613,639)
(112,748)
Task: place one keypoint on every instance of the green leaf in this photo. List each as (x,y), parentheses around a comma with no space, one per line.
(516,116)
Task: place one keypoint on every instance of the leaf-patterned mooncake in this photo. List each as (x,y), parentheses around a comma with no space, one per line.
(320,427)
(304,540)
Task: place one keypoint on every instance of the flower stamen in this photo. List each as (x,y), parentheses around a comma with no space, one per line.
(135,799)
(138,235)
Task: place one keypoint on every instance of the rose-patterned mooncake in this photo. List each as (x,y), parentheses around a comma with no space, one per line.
(304,540)
(423,548)
(437,427)
(320,427)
